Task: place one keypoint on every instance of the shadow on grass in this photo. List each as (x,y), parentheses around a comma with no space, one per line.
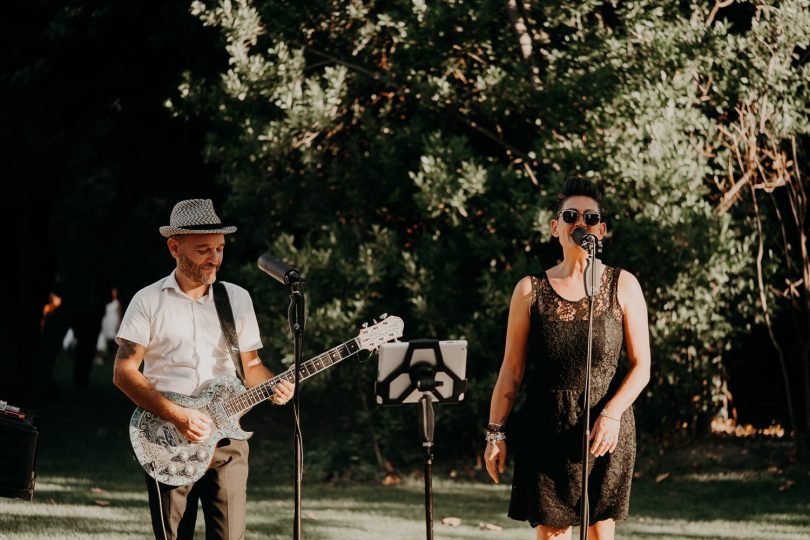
(90,487)
(749,497)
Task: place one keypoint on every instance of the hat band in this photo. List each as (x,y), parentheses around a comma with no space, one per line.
(203,227)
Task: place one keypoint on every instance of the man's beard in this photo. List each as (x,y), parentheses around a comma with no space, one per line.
(196,272)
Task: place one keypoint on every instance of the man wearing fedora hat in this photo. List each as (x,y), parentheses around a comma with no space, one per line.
(172,328)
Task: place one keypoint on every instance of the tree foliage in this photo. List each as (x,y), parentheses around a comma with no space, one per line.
(405,155)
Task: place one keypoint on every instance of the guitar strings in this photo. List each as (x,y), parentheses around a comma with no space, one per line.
(255,395)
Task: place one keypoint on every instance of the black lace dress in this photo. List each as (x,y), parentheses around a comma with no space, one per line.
(547,432)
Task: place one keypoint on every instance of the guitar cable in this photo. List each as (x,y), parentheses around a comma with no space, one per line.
(300,446)
(160,501)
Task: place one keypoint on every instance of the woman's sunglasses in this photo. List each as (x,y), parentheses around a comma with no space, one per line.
(591,218)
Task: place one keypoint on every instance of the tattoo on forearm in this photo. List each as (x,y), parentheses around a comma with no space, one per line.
(125,350)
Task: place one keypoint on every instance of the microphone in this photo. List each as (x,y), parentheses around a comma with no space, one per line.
(584,238)
(278,270)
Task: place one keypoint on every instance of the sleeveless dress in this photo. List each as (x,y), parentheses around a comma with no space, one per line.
(547,432)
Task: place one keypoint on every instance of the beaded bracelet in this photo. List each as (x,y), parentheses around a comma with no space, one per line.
(495,436)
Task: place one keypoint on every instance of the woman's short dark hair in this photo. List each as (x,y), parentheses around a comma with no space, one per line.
(577,186)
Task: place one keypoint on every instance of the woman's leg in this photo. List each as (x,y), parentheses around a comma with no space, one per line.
(602,530)
(553,533)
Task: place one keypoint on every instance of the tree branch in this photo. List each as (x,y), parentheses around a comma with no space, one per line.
(510,150)
(717,6)
(525,41)
(335,59)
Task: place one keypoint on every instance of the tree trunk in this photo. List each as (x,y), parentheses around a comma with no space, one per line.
(763,299)
(525,41)
(372,436)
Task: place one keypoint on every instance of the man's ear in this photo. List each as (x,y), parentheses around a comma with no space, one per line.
(174,246)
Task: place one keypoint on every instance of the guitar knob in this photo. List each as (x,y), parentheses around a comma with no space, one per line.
(183,456)
(201,453)
(171,469)
(383,316)
(364,325)
(189,469)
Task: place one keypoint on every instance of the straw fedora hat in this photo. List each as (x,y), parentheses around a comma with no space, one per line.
(195,216)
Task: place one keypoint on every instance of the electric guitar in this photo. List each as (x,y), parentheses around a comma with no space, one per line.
(170,458)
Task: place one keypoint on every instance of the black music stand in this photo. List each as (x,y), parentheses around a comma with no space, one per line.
(423,371)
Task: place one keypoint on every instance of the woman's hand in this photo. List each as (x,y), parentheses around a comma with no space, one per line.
(495,459)
(605,435)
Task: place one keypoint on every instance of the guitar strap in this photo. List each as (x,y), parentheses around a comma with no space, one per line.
(225,313)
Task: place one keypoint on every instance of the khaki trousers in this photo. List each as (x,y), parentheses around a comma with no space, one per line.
(221,492)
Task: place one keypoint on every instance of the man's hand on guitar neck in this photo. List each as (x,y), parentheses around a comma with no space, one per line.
(192,424)
(283,392)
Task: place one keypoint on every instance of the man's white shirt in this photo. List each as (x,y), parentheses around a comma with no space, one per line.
(185,346)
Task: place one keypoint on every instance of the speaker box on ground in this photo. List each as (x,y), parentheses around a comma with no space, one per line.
(18,455)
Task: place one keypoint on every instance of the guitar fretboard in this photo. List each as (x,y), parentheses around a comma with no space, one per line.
(257,394)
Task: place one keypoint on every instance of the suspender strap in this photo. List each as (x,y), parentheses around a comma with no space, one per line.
(225,313)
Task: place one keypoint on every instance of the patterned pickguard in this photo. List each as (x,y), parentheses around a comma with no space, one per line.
(169,457)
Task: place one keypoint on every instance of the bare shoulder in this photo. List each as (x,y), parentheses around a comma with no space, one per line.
(524,287)
(630,292)
(522,295)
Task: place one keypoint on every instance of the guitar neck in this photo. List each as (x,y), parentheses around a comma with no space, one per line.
(257,394)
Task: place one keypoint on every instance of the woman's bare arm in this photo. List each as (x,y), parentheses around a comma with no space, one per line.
(511,372)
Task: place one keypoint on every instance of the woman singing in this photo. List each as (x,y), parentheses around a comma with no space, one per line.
(548,327)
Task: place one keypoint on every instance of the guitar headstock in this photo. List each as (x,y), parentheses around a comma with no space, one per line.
(388,329)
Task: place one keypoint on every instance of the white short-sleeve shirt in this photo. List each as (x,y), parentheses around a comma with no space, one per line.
(185,346)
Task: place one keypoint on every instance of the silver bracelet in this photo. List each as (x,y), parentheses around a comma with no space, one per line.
(495,436)
(606,415)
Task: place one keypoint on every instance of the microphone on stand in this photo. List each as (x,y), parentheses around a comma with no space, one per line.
(289,276)
(278,270)
(590,243)
(584,238)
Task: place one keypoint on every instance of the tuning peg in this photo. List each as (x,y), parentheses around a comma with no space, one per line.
(383,316)
(364,325)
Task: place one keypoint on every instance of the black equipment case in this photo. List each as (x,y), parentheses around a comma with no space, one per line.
(18,452)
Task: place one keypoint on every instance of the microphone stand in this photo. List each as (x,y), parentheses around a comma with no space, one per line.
(296,317)
(590,264)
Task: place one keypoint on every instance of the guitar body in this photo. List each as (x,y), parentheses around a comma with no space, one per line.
(169,457)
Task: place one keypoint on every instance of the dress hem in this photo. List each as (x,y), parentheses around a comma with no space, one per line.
(619,517)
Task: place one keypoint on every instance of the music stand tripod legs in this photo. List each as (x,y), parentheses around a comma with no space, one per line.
(426,425)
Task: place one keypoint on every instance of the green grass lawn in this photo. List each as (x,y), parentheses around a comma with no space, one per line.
(89,487)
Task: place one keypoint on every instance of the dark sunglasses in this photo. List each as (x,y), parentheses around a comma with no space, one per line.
(591,218)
